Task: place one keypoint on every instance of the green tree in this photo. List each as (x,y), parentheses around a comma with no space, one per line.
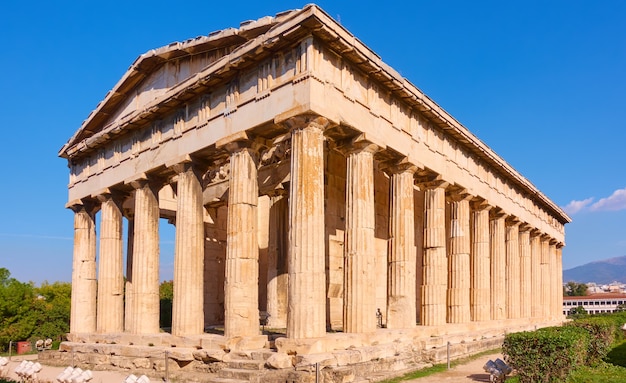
(577,312)
(29,313)
(166,295)
(573,289)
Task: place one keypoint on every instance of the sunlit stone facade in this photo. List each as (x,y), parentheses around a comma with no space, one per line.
(309,184)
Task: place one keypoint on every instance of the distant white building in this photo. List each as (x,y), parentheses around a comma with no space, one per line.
(595,303)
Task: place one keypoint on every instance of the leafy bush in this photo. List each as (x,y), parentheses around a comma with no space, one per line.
(601,337)
(546,355)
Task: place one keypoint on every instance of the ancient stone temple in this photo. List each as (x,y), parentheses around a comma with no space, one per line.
(312,189)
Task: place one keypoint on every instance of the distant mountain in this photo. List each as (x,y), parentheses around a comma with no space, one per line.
(601,272)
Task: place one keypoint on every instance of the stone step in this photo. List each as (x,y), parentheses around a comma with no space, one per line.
(247,364)
(227,380)
(237,373)
(262,354)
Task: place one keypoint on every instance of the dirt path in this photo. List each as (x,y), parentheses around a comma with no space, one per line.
(49,373)
(465,373)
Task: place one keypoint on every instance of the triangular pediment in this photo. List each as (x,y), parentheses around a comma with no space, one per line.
(157,71)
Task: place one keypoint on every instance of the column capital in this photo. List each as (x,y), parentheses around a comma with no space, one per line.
(118,196)
(497,213)
(434,184)
(553,242)
(512,220)
(357,144)
(478,203)
(186,162)
(458,194)
(524,227)
(88,205)
(144,179)
(401,165)
(306,120)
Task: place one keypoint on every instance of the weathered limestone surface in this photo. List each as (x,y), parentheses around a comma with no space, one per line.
(401,310)
(480,292)
(459,260)
(435,276)
(306,305)
(83,306)
(110,310)
(241,312)
(307,182)
(188,301)
(535,271)
(513,282)
(525,273)
(146,260)
(498,265)
(359,297)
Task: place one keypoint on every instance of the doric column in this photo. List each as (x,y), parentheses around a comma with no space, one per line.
(145,276)
(546,288)
(559,274)
(401,311)
(553,280)
(434,270)
(498,264)
(188,300)
(535,273)
(513,296)
(276,262)
(480,280)
(128,288)
(359,304)
(83,302)
(459,259)
(525,272)
(241,285)
(306,314)
(111,266)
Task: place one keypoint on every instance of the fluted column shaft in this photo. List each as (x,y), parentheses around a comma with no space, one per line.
(276,275)
(83,301)
(513,265)
(459,261)
(110,318)
(359,304)
(535,272)
(480,292)
(434,270)
(241,300)
(146,259)
(129,296)
(553,280)
(559,274)
(546,288)
(498,266)
(401,310)
(306,314)
(525,273)
(188,300)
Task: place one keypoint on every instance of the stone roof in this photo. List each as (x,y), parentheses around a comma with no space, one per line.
(255,40)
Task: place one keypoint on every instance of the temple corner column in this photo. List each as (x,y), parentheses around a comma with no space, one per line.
(84,284)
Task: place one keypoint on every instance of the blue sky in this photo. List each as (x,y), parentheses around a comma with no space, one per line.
(542,83)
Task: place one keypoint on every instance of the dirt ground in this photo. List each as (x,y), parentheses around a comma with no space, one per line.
(48,374)
(465,373)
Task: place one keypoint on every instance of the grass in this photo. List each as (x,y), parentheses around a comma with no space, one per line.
(438,367)
(612,370)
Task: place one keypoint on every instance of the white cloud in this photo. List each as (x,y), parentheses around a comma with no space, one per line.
(617,201)
(576,206)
